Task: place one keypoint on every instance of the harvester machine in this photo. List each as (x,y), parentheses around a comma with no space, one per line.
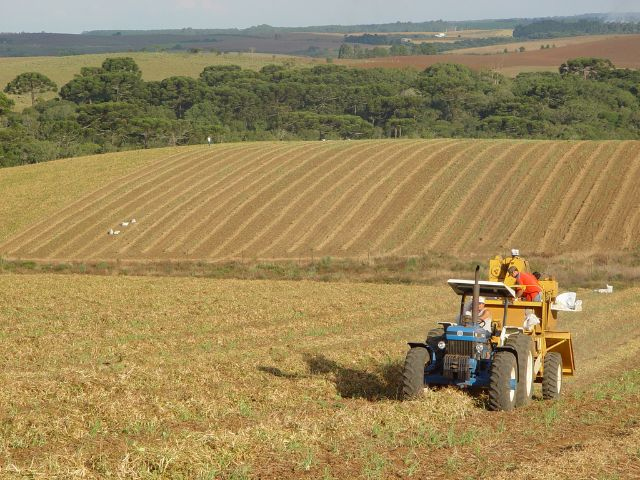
(516,344)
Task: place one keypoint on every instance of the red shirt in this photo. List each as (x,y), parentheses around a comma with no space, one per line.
(532,287)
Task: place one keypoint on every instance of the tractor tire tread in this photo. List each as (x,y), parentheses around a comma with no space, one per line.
(413,373)
(524,347)
(499,378)
(551,384)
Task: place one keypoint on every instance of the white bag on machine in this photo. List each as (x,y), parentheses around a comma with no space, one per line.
(567,302)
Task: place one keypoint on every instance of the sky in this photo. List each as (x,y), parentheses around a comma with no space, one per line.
(76,16)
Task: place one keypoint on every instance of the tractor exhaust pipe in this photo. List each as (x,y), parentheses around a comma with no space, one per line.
(476,296)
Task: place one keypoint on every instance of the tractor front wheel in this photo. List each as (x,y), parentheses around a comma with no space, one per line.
(552,376)
(503,381)
(413,373)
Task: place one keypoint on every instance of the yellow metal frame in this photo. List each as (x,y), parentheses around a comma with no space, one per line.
(546,337)
(561,342)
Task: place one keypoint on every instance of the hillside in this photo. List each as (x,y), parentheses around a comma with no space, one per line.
(300,200)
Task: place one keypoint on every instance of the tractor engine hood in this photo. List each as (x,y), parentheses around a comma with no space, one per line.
(468,334)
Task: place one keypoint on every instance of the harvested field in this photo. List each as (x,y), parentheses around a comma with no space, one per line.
(342,199)
(455,35)
(513,44)
(621,50)
(125,377)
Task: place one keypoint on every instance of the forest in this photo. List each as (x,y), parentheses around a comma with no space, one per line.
(110,108)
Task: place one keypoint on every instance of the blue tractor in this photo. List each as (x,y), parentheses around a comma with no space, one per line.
(476,354)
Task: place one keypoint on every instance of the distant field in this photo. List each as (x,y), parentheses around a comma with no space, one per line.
(534,44)
(621,50)
(302,200)
(154,66)
(43,43)
(451,36)
(139,378)
(455,35)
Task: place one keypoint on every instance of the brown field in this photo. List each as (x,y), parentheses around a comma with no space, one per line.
(340,199)
(139,378)
(621,50)
(513,45)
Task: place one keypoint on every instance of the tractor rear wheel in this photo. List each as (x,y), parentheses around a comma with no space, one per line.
(552,376)
(503,381)
(523,345)
(413,373)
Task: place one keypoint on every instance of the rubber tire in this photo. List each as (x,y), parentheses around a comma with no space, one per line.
(552,376)
(413,373)
(503,370)
(524,347)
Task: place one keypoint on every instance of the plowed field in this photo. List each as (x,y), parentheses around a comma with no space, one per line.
(301,200)
(622,51)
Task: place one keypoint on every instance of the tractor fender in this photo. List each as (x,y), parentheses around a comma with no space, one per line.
(509,348)
(432,353)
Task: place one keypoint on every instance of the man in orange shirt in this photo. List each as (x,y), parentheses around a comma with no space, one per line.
(530,289)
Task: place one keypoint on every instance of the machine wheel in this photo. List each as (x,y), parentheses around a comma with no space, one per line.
(413,373)
(523,345)
(503,381)
(552,376)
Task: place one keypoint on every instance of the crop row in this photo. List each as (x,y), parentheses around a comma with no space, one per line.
(349,199)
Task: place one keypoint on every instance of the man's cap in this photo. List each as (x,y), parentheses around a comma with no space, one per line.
(481,299)
(512,269)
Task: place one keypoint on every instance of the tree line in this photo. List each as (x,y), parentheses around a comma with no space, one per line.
(566,28)
(397,49)
(404,46)
(395,27)
(111,108)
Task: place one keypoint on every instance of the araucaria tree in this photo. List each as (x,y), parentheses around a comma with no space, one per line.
(5,104)
(31,82)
